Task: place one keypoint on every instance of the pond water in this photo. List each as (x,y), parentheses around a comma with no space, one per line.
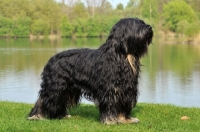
(170,73)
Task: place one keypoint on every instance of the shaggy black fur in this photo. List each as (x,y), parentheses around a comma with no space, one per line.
(107,75)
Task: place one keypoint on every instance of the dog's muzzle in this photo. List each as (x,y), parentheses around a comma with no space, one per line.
(149,34)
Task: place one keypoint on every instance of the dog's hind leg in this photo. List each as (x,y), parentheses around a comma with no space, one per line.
(52,98)
(36,113)
(49,106)
(55,105)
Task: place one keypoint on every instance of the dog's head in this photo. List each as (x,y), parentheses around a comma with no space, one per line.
(131,36)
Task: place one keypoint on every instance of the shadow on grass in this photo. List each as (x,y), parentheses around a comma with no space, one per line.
(136,110)
(92,112)
(85,111)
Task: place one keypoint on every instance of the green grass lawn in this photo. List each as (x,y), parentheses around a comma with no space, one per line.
(85,118)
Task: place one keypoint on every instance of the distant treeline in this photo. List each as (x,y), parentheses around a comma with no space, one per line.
(94,18)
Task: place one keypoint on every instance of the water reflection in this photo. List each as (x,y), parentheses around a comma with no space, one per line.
(171,73)
(168,88)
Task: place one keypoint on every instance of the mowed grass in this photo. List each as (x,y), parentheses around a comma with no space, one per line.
(85,118)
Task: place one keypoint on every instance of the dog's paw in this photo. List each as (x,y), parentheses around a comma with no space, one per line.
(121,120)
(68,116)
(110,122)
(129,120)
(133,120)
(35,117)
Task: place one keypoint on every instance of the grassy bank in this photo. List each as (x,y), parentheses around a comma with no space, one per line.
(85,118)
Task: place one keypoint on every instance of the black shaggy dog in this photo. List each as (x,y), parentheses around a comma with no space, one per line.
(108,76)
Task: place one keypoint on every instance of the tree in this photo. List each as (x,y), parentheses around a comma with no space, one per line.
(104,7)
(132,3)
(21,27)
(93,4)
(14,8)
(193,29)
(5,26)
(195,5)
(120,6)
(161,3)
(68,8)
(40,27)
(66,27)
(71,17)
(71,3)
(47,11)
(149,9)
(177,11)
(79,10)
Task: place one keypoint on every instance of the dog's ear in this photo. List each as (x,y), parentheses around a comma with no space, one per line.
(123,48)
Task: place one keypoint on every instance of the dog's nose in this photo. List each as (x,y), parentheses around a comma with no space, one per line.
(149,27)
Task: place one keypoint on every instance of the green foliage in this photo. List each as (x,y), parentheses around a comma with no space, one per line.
(45,12)
(150,9)
(182,26)
(14,8)
(79,10)
(189,29)
(90,27)
(39,17)
(5,26)
(175,12)
(19,18)
(40,27)
(193,29)
(195,4)
(80,28)
(21,27)
(132,3)
(120,6)
(66,27)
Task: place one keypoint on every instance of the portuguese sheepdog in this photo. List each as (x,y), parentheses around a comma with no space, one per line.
(108,76)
